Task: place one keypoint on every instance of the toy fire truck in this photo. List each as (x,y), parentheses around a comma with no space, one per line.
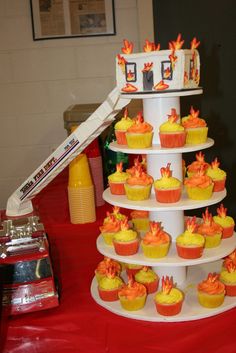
(27,276)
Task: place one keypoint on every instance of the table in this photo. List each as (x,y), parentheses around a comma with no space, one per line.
(79,325)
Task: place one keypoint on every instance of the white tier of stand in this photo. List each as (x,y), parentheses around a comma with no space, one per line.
(156,107)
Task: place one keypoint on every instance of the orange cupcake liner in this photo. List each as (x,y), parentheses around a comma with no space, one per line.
(110,295)
(121,137)
(117,188)
(227,232)
(168,196)
(174,140)
(219,185)
(126,248)
(189,252)
(230,289)
(169,309)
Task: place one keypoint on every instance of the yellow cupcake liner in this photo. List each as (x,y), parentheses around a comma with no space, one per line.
(155,251)
(210,301)
(138,193)
(196,136)
(212,241)
(139,140)
(133,304)
(196,193)
(141,224)
(108,238)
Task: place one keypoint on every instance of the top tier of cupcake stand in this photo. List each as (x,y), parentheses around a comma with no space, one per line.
(186,273)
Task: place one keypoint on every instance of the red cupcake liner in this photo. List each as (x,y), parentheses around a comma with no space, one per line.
(230,290)
(117,188)
(110,295)
(168,196)
(227,232)
(189,253)
(172,140)
(133,271)
(126,248)
(121,137)
(219,185)
(169,309)
(151,286)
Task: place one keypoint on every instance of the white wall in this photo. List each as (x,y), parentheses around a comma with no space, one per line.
(40,79)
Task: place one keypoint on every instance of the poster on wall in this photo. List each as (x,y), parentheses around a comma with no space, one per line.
(52,19)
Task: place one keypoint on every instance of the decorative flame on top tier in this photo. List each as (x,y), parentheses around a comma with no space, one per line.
(129,88)
(194,113)
(167,284)
(121,60)
(191,224)
(150,46)
(124,225)
(222,211)
(194,43)
(165,171)
(173,116)
(207,217)
(128,47)
(231,267)
(215,164)
(160,86)
(200,157)
(177,44)
(147,67)
(173,58)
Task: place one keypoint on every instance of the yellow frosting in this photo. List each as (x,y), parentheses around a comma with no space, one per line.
(224,222)
(118,176)
(188,238)
(125,235)
(124,124)
(167,183)
(228,277)
(145,276)
(110,283)
(171,127)
(216,173)
(174,296)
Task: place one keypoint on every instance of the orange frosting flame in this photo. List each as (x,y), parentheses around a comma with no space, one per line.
(165,171)
(230,258)
(200,160)
(167,284)
(119,167)
(222,211)
(191,224)
(230,266)
(107,263)
(176,44)
(199,179)
(128,47)
(124,224)
(194,43)
(110,272)
(193,120)
(173,117)
(211,285)
(136,165)
(150,46)
(133,290)
(215,164)
(156,235)
(139,178)
(112,225)
(140,126)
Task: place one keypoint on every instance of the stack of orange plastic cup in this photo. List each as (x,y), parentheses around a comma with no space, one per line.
(81,191)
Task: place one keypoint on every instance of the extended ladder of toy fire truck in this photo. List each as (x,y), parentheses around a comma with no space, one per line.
(19,203)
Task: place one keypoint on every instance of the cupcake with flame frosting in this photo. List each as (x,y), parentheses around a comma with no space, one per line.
(195,127)
(197,164)
(211,231)
(121,127)
(132,295)
(211,292)
(140,134)
(156,242)
(169,300)
(199,186)
(138,186)
(228,277)
(137,164)
(126,241)
(148,278)
(117,180)
(106,264)
(217,175)
(109,229)
(167,188)
(190,244)
(226,222)
(109,286)
(172,134)
(140,220)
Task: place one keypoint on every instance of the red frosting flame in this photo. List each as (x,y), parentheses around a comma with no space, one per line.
(128,47)
(165,171)
(215,164)
(119,167)
(200,157)
(124,224)
(207,217)
(191,224)
(173,117)
(167,284)
(222,211)
(230,266)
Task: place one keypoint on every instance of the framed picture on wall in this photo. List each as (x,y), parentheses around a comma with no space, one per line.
(52,19)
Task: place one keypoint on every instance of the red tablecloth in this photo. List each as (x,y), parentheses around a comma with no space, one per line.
(79,325)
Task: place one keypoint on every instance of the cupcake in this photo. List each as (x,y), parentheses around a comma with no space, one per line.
(132,295)
(148,278)
(168,188)
(226,222)
(121,127)
(140,134)
(116,213)
(228,277)
(140,220)
(211,291)
(211,231)
(117,180)
(199,186)
(156,242)
(138,187)
(106,264)
(217,175)
(126,241)
(169,300)
(190,244)
(195,127)
(172,134)
(109,229)
(197,164)
(109,286)
(132,269)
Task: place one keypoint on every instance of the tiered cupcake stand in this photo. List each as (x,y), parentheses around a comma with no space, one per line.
(186,273)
